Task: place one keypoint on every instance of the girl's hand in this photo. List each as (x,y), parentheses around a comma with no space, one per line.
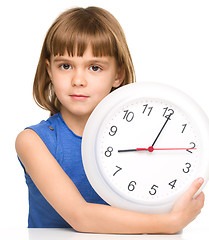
(187,207)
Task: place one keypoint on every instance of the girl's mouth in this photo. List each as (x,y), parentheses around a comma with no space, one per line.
(79,97)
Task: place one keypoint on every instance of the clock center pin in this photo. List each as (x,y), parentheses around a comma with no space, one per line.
(150,149)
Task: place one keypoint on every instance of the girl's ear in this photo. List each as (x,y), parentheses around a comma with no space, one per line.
(119,78)
(48,67)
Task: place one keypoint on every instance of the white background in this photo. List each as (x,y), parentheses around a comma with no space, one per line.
(169,43)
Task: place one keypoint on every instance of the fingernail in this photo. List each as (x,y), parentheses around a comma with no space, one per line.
(200,180)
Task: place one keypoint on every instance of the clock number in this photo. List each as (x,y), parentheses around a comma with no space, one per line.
(113,130)
(153,190)
(184,126)
(108,153)
(173,183)
(188,166)
(131,186)
(118,169)
(146,107)
(193,146)
(168,112)
(128,116)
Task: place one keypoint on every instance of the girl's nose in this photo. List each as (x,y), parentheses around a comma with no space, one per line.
(79,79)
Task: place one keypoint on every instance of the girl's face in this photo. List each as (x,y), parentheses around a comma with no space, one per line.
(80,83)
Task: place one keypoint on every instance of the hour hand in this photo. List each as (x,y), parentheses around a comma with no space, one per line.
(133,150)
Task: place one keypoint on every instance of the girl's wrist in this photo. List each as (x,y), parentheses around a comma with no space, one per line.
(174,225)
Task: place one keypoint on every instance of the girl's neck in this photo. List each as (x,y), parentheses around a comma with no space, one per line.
(75,123)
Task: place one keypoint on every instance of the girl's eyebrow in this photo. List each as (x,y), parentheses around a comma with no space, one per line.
(93,60)
(99,61)
(60,59)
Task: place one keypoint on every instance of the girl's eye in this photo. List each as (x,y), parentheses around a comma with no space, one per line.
(95,68)
(65,66)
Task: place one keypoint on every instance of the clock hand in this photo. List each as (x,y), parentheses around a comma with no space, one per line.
(131,150)
(151,149)
(161,130)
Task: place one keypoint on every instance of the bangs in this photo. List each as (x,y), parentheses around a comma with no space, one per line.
(76,34)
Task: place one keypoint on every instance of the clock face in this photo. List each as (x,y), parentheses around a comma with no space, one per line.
(148,150)
(143,145)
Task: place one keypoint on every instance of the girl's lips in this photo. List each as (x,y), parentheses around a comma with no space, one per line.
(79,97)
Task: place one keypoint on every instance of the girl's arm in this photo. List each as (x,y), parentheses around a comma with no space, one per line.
(64,197)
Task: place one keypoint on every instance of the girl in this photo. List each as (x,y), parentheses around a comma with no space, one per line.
(84,57)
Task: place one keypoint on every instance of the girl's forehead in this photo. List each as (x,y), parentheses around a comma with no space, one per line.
(87,53)
(87,57)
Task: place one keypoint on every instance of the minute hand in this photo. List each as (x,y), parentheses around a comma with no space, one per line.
(161,130)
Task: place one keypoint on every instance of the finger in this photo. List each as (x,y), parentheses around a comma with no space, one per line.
(195,186)
(200,198)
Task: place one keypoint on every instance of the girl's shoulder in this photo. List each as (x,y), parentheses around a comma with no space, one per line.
(45,125)
(46,130)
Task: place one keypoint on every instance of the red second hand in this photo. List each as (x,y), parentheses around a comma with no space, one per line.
(151,149)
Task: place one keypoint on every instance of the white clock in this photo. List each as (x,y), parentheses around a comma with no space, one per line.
(143,145)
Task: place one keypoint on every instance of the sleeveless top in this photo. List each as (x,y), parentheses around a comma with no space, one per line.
(65,146)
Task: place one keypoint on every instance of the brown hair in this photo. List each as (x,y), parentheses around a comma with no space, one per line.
(73,31)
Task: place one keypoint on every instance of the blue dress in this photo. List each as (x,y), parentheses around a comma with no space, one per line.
(65,146)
